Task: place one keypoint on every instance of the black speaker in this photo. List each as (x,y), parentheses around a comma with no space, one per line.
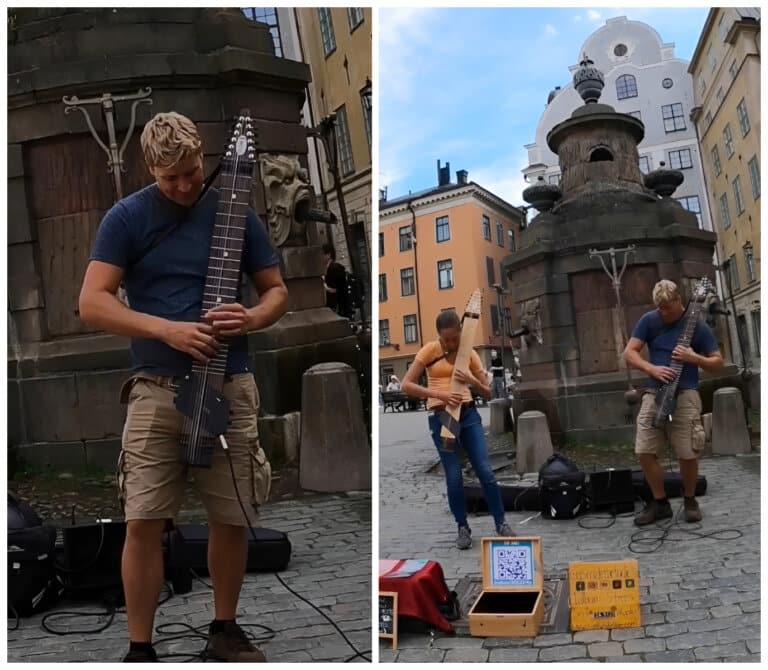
(92,555)
(612,490)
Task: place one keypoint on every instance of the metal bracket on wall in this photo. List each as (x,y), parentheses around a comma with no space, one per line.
(107,102)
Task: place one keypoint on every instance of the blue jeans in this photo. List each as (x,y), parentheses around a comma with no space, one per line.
(472,439)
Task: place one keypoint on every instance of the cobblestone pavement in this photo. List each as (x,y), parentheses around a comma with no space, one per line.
(700,597)
(330,566)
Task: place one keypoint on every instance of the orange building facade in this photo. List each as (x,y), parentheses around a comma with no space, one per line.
(462,233)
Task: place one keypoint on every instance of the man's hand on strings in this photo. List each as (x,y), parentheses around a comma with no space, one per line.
(685,354)
(196,339)
(229,320)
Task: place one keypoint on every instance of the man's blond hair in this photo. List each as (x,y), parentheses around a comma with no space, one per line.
(169,138)
(665,291)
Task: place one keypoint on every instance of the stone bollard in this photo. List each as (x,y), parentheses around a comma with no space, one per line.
(534,443)
(706,421)
(729,425)
(335,454)
(501,416)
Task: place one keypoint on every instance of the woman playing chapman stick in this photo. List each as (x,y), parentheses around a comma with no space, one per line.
(438,358)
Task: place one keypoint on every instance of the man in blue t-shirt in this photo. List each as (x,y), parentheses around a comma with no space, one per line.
(660,330)
(157,243)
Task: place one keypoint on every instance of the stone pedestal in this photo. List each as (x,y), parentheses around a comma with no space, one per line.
(335,454)
(534,444)
(501,416)
(729,425)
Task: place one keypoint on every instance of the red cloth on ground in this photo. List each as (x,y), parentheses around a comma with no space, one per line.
(418,594)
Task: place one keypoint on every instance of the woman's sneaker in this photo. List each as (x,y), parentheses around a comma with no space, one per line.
(504,530)
(464,539)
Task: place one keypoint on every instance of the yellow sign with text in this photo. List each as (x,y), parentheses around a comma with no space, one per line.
(604,595)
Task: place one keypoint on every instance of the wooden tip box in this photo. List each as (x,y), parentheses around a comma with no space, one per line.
(511,603)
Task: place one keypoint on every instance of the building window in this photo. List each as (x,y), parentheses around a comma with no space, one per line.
(749,262)
(511,240)
(365,103)
(499,234)
(507,320)
(491,270)
(680,159)
(486,228)
(732,70)
(407,286)
(711,58)
(383,288)
(411,331)
(756,329)
(406,242)
(754,176)
(326,30)
(346,163)
(728,139)
(645,164)
(716,161)
(708,119)
(445,274)
(722,27)
(724,213)
(667,82)
(381,244)
(620,50)
(355,16)
(442,230)
(636,114)
(738,196)
(384,333)
(692,204)
(673,117)
(495,326)
(554,178)
(719,96)
(267,15)
(741,110)
(626,87)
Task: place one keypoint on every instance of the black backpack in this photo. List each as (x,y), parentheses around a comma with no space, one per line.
(562,488)
(33,584)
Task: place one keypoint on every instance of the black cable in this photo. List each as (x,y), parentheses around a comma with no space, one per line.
(358,653)
(110,612)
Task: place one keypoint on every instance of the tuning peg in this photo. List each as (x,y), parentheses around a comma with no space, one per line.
(251,156)
(228,154)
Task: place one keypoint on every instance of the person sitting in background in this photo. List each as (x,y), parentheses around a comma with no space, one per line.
(394,384)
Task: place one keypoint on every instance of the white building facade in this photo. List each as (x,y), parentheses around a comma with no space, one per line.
(643,78)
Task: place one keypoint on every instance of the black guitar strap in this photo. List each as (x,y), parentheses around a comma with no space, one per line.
(175,225)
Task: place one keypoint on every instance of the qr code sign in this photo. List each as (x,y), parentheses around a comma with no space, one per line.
(512,565)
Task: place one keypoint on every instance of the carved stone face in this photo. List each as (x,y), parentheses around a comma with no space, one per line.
(286,184)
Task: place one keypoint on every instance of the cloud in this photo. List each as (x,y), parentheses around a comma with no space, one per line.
(503,178)
(594,15)
(550,30)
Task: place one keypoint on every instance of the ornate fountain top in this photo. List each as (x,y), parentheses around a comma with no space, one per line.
(588,80)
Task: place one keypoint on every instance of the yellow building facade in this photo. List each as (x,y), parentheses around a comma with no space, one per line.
(726,75)
(336,42)
(462,233)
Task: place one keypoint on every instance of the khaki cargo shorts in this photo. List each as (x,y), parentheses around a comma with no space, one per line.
(151,480)
(685,432)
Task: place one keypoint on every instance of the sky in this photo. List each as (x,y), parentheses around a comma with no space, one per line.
(468,86)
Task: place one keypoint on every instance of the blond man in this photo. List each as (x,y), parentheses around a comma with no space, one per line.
(660,330)
(156,242)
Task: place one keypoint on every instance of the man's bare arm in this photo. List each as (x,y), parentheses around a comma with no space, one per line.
(634,359)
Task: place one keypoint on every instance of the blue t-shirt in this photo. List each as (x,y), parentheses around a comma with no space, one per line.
(168,281)
(661,339)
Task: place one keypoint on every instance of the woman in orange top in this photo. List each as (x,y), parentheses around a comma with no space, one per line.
(438,359)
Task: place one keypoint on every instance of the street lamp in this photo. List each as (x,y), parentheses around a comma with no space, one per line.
(326,132)
(499,293)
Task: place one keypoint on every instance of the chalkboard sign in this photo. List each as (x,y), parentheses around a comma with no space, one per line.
(388,616)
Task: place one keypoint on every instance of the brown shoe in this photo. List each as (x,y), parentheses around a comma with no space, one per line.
(652,512)
(231,644)
(691,509)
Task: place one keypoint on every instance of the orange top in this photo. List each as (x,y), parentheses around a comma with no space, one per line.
(440,373)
